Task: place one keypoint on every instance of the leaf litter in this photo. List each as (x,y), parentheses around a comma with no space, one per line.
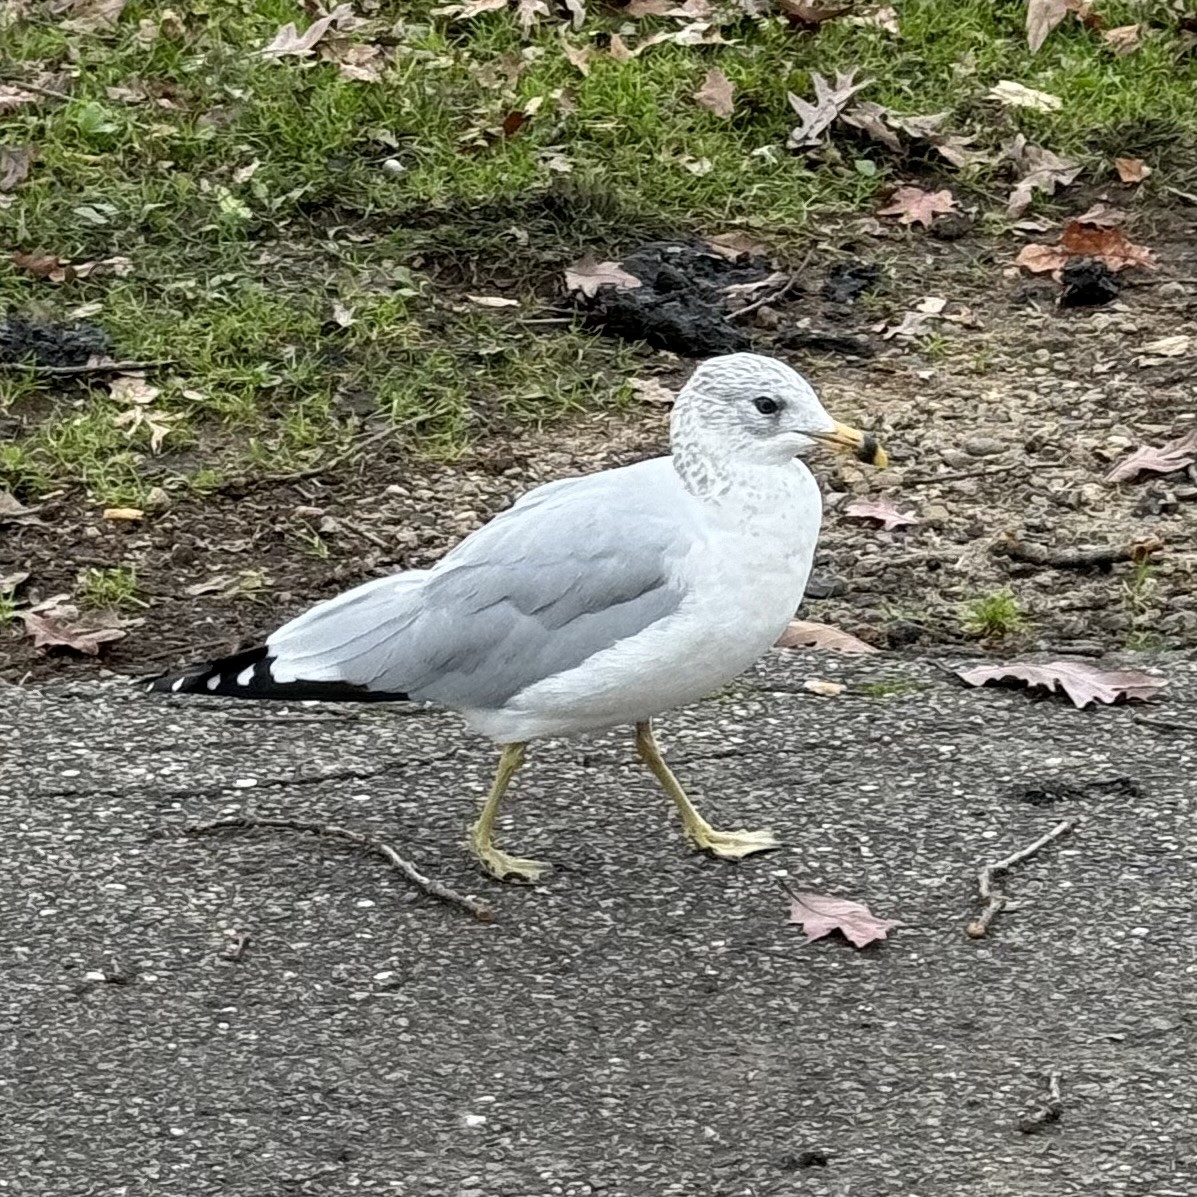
(820,915)
(1082,682)
(1088,236)
(1176,455)
(881,510)
(913,205)
(802,633)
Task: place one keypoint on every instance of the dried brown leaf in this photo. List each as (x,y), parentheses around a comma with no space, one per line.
(1177,454)
(1131,170)
(1042,17)
(913,205)
(734,246)
(652,390)
(529,12)
(587,275)
(1017,95)
(801,633)
(577,10)
(648,8)
(1039,170)
(1082,682)
(12,98)
(881,510)
(93,16)
(1124,40)
(289,42)
(830,100)
(47,632)
(802,12)
(1039,259)
(716,93)
(1108,245)
(11,509)
(15,164)
(822,914)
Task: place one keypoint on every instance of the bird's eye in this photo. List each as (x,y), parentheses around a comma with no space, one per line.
(767,406)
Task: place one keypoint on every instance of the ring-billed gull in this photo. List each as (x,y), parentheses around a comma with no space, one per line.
(592,602)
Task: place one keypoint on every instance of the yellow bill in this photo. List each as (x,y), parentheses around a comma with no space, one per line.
(864,446)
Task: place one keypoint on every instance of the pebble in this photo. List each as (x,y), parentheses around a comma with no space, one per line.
(983,446)
(935,515)
(1173,290)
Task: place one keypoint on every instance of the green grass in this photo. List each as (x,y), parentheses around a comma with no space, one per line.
(993,616)
(250,196)
(110,589)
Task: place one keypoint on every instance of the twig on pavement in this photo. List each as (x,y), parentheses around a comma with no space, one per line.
(993,898)
(428,885)
(1085,557)
(1048,1110)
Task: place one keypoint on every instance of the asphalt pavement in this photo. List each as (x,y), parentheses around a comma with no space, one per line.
(267,1012)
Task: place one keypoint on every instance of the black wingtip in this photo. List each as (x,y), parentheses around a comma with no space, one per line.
(247,675)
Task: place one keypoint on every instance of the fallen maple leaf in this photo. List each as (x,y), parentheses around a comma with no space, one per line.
(1110,246)
(289,42)
(802,633)
(1016,95)
(15,164)
(587,275)
(1178,454)
(1040,170)
(821,914)
(1082,682)
(1123,40)
(716,93)
(1042,17)
(880,509)
(51,633)
(916,206)
(1131,170)
(830,101)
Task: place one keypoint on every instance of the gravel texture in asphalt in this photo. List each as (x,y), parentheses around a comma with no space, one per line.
(266,1012)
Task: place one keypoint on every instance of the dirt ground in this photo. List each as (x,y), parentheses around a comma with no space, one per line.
(1001,416)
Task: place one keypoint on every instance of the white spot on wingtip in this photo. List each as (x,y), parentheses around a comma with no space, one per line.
(178,684)
(214,682)
(245,676)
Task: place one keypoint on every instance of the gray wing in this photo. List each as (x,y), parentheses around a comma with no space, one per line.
(570,570)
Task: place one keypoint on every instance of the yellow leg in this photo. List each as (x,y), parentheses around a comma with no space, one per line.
(495,861)
(730,844)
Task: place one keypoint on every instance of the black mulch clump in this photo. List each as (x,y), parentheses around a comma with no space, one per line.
(847,281)
(680,304)
(48,343)
(1088,283)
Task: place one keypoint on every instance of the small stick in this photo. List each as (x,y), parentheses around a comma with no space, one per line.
(1164,724)
(89,368)
(994,899)
(433,888)
(1092,557)
(786,287)
(1047,1111)
(35,89)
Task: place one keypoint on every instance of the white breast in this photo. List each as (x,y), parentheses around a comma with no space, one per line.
(744,579)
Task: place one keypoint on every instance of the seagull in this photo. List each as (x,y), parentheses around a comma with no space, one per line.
(593,602)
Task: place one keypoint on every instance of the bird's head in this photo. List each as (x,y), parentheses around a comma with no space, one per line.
(754,408)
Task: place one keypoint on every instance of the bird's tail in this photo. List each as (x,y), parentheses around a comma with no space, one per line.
(248,675)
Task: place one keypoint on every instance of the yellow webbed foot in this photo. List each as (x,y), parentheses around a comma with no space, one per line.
(501,865)
(732,845)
